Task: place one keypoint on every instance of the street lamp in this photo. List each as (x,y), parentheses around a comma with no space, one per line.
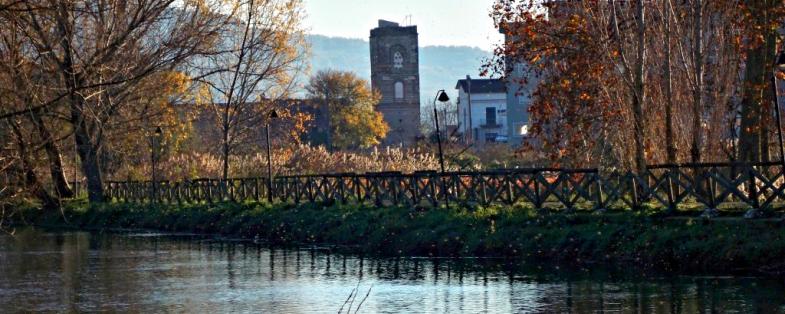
(153,156)
(273,115)
(779,66)
(442,97)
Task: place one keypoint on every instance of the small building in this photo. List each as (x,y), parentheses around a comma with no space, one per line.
(482,110)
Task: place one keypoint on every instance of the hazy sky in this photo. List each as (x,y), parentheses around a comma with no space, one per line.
(439,22)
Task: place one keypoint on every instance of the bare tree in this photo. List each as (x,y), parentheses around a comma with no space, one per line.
(448,115)
(634,75)
(697,92)
(760,52)
(670,141)
(90,52)
(258,64)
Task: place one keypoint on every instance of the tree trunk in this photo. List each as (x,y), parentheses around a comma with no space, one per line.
(88,154)
(56,169)
(697,92)
(87,146)
(639,94)
(749,146)
(226,122)
(756,72)
(31,182)
(49,145)
(670,141)
(767,113)
(225,149)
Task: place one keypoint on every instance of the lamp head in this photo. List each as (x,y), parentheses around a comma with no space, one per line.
(158,131)
(443,96)
(273,114)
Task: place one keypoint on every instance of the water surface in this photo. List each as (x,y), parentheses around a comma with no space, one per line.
(83,272)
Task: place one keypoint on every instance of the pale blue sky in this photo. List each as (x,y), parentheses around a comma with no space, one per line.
(439,22)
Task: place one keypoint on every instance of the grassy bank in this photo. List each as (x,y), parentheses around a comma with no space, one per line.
(625,239)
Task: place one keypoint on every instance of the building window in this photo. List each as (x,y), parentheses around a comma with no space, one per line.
(397,60)
(490,116)
(398,90)
(491,137)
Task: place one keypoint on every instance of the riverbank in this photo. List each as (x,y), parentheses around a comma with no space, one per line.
(625,239)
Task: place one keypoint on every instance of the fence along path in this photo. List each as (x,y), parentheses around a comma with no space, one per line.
(737,185)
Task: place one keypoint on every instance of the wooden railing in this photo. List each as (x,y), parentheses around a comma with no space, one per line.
(669,187)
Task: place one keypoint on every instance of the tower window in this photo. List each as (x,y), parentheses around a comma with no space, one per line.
(398,90)
(397,60)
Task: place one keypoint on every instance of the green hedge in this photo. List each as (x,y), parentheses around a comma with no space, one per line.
(619,238)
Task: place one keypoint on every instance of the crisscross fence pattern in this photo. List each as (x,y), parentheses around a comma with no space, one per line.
(670,187)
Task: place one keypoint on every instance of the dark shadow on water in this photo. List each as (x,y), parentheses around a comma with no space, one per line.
(78,272)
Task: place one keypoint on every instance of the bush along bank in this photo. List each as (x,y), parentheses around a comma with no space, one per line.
(625,238)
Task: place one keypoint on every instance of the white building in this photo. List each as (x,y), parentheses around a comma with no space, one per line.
(482,110)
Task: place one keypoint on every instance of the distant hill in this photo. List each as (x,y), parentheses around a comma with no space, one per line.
(440,66)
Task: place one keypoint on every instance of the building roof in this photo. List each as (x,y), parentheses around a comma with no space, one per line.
(482,86)
(387,28)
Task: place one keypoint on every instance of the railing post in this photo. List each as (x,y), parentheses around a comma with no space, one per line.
(434,188)
(342,188)
(483,190)
(537,197)
(600,201)
(671,195)
(209,187)
(509,178)
(711,189)
(753,189)
(358,188)
(635,199)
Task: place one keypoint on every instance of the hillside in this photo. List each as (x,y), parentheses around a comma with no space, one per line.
(440,66)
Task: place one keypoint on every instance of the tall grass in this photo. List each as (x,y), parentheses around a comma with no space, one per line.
(301,159)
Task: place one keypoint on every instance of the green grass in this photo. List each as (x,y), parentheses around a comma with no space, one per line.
(623,238)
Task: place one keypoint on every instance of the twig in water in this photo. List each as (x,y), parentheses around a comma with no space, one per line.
(363,300)
(347,299)
(357,288)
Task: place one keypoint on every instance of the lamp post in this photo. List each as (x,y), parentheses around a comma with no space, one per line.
(779,66)
(153,156)
(442,97)
(273,115)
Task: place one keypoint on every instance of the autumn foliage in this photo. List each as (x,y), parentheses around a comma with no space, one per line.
(350,105)
(678,62)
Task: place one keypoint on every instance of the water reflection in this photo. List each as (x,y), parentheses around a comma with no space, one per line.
(140,273)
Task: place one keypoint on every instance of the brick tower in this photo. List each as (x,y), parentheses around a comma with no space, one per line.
(395,73)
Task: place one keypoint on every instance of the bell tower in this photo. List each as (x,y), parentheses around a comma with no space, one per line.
(395,73)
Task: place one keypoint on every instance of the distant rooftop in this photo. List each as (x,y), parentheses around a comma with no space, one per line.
(482,86)
(388,28)
(385,23)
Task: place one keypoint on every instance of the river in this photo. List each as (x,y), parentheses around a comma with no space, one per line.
(146,272)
